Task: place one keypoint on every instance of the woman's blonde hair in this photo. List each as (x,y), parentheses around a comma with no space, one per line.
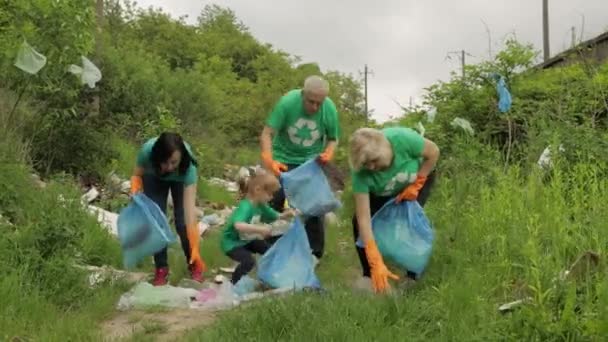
(366,144)
(262,179)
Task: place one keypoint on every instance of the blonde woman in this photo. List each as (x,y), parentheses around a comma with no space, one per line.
(385,163)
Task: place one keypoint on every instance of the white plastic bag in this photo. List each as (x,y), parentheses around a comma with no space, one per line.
(29,60)
(145,295)
(89,73)
(464,124)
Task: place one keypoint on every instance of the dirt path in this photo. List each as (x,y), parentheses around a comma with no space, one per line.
(160,325)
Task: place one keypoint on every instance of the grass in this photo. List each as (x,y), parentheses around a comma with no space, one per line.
(496,242)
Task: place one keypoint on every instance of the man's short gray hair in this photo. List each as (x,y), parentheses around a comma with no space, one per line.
(315,83)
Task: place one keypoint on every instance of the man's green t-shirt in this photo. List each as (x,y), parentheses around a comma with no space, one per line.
(249,213)
(300,136)
(144,160)
(407,147)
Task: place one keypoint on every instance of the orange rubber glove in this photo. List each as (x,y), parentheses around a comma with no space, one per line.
(379,271)
(273,165)
(137,184)
(411,192)
(194,240)
(327,155)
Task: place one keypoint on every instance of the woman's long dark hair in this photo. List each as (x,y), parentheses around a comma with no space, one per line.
(166,144)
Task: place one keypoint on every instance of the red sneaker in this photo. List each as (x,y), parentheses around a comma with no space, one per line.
(160,276)
(196,272)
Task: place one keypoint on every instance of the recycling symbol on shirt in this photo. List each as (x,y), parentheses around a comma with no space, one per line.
(399,178)
(304,132)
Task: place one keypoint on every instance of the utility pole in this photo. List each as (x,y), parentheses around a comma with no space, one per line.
(462,56)
(546,52)
(366,72)
(463,63)
(573,36)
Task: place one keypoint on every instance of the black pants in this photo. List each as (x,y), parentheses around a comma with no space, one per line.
(158,191)
(314,226)
(375,203)
(244,256)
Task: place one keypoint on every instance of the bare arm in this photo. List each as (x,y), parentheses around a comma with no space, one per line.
(190,205)
(430,153)
(266,140)
(364,219)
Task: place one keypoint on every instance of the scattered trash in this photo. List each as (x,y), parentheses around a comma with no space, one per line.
(39,183)
(219,279)
(288,263)
(145,295)
(307,189)
(508,307)
(192,284)
(545,158)
(90,195)
(143,230)
(29,60)
(102,274)
(403,234)
(125,186)
(212,220)
(229,270)
(228,185)
(585,264)
(202,228)
(89,73)
(107,219)
(216,298)
(464,124)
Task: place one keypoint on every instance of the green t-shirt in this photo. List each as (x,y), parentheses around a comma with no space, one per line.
(144,160)
(249,213)
(300,136)
(407,147)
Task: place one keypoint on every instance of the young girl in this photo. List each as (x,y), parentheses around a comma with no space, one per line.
(252,210)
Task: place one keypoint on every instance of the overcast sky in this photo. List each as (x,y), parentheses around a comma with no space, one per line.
(404,42)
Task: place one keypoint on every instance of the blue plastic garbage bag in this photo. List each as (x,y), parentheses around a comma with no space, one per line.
(504,97)
(289,263)
(307,189)
(403,235)
(143,230)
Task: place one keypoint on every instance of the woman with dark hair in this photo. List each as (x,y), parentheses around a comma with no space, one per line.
(166,163)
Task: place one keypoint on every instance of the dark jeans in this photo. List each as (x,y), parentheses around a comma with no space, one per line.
(314,226)
(158,191)
(375,203)
(244,256)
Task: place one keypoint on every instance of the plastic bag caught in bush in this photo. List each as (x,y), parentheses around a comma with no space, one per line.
(504,97)
(143,230)
(464,124)
(289,263)
(29,60)
(403,234)
(89,73)
(307,189)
